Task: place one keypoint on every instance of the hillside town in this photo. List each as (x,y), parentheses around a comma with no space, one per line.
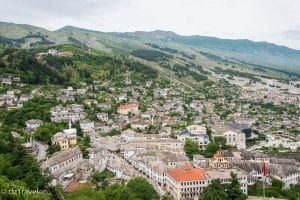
(147,130)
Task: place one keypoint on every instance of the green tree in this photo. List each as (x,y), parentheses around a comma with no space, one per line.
(36,108)
(191,148)
(215,191)
(210,150)
(53,148)
(220,141)
(234,189)
(294,192)
(142,189)
(277,184)
(47,130)
(101,176)
(56,192)
(167,197)
(114,132)
(86,193)
(117,192)
(7,185)
(17,164)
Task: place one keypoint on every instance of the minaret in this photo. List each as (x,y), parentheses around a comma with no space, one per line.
(70,124)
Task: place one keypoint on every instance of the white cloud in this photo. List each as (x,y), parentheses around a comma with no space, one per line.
(253,19)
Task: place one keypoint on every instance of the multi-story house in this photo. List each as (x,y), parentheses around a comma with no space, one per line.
(196,133)
(233,137)
(102,117)
(33,124)
(62,165)
(65,139)
(186,182)
(128,108)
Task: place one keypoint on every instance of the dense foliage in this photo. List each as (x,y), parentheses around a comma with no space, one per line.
(101,176)
(191,148)
(18,168)
(24,64)
(186,70)
(135,189)
(221,142)
(171,50)
(210,150)
(47,130)
(151,55)
(275,190)
(36,108)
(69,67)
(218,191)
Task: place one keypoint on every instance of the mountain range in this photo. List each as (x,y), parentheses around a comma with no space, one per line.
(261,54)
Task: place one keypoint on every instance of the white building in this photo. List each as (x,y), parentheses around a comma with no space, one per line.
(196,105)
(288,173)
(52,52)
(195,133)
(186,182)
(62,162)
(130,135)
(7,81)
(122,97)
(225,177)
(33,124)
(87,125)
(102,117)
(233,137)
(73,112)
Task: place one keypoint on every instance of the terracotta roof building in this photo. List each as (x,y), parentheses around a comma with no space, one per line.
(186,182)
(128,108)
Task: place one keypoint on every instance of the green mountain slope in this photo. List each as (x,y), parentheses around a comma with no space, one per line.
(262,53)
(241,51)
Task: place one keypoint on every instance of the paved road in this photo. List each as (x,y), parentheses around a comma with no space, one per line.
(41,150)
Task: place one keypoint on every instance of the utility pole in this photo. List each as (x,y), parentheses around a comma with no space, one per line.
(264,174)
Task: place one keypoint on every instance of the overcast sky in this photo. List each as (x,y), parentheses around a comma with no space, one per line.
(276,21)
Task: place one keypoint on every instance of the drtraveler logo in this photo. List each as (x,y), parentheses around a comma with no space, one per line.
(20,192)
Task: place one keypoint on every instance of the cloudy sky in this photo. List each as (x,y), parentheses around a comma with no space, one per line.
(276,21)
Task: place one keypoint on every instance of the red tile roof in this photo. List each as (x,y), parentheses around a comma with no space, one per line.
(128,106)
(74,186)
(187,173)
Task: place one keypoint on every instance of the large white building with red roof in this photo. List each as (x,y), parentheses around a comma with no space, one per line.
(186,182)
(128,108)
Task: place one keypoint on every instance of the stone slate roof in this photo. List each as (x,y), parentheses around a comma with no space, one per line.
(281,170)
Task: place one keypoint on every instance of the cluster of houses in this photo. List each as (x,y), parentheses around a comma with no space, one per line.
(162,160)
(157,155)
(10,80)
(153,130)
(73,112)
(13,99)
